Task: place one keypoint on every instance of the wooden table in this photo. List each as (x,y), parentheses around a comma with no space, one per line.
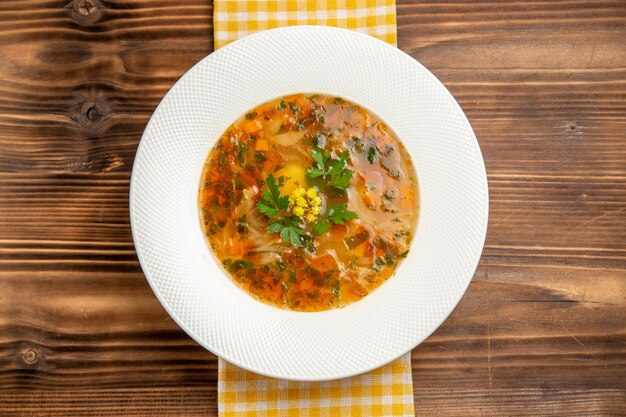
(542,328)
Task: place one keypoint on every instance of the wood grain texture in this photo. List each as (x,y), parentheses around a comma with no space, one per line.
(542,328)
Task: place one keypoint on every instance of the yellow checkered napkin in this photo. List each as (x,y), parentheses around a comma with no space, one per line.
(387,391)
(234,19)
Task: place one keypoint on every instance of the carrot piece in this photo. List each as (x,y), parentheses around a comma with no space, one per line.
(358,290)
(339,231)
(247,178)
(237,246)
(304,105)
(261,145)
(274,159)
(252,126)
(306,284)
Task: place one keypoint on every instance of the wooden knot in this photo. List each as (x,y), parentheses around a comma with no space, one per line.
(30,356)
(86,12)
(92,113)
(574,130)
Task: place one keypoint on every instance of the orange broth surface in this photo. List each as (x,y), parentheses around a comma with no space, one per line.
(341,214)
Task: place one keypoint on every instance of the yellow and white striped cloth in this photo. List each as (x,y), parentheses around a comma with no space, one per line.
(234,19)
(387,391)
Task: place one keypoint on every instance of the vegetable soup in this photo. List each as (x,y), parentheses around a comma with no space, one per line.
(309,202)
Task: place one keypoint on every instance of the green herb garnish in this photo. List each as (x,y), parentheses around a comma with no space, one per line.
(212,229)
(242,149)
(239,264)
(289,229)
(282,105)
(358,143)
(332,171)
(338,214)
(302,123)
(320,228)
(221,161)
(259,157)
(372,155)
(273,204)
(242,224)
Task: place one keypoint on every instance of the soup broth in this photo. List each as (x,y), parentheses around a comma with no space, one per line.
(309,202)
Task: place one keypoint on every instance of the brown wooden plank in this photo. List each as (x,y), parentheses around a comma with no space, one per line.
(196,402)
(542,328)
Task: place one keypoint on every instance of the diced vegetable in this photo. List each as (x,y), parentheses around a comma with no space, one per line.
(252,126)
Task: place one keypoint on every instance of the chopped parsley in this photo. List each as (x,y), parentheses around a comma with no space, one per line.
(389,167)
(221,161)
(389,195)
(358,144)
(302,123)
(259,157)
(212,229)
(356,240)
(242,149)
(239,264)
(372,155)
(378,264)
(319,141)
(337,289)
(242,224)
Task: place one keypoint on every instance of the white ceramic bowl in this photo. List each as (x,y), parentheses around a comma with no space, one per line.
(330,344)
